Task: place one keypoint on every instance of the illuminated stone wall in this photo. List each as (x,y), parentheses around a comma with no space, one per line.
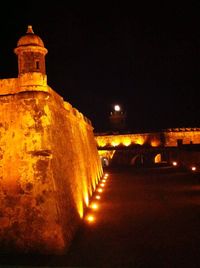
(152,139)
(49,166)
(108,144)
(166,138)
(187,137)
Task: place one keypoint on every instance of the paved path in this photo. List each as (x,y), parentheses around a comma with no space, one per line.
(148,218)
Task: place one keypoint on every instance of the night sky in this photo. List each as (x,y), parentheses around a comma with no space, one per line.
(144,57)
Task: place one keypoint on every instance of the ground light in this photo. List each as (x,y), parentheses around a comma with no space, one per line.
(90,218)
(94,206)
(193,168)
(100,190)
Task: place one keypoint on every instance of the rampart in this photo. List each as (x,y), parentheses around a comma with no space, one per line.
(49,167)
(169,137)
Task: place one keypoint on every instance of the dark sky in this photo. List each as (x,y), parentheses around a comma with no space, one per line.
(144,57)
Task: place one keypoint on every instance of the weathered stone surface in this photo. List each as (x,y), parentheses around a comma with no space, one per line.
(180,138)
(49,167)
(166,138)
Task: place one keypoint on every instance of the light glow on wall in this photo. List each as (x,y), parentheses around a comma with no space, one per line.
(155,143)
(101,142)
(79,207)
(86,199)
(126,141)
(115,142)
(157,158)
(140,141)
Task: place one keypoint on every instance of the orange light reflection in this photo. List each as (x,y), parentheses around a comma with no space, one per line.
(100,190)
(94,206)
(90,218)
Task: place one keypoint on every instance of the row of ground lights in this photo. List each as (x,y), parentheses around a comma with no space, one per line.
(97,195)
(192,167)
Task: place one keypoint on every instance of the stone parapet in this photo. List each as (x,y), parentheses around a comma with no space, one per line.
(165,138)
(26,82)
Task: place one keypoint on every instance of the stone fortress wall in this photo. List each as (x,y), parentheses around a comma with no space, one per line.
(49,163)
(183,146)
(169,137)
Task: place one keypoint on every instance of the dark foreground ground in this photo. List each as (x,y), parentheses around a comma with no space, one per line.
(146,218)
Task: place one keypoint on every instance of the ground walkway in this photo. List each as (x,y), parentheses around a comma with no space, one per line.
(146,218)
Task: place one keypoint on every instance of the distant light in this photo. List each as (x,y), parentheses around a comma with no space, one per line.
(98,197)
(103,181)
(174,163)
(193,168)
(117,108)
(102,184)
(90,218)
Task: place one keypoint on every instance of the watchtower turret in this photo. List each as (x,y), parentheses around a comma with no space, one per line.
(31,53)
